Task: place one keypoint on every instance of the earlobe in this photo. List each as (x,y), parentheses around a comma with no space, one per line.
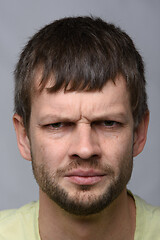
(22,137)
(140,135)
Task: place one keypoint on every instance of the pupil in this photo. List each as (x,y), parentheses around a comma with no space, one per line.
(109,123)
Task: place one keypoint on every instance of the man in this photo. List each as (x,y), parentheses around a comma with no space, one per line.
(81,115)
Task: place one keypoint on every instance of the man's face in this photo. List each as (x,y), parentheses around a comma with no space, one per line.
(82,146)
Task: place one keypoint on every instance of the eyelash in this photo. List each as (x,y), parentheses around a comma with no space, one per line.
(106,124)
(109,123)
(59,125)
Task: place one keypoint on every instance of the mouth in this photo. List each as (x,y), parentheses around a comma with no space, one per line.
(85,177)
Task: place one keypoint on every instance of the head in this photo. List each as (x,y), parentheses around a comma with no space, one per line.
(80,111)
(82,54)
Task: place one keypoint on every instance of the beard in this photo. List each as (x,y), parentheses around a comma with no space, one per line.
(84,202)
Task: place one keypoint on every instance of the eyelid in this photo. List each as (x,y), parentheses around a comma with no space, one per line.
(59,125)
(56,125)
(102,123)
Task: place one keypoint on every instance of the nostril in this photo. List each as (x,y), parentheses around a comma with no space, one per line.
(76,156)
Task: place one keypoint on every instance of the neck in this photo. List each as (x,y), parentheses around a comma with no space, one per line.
(116,222)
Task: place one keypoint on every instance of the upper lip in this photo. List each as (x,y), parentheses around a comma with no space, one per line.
(84,173)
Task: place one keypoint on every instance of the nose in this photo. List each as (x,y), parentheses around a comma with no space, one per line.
(84,143)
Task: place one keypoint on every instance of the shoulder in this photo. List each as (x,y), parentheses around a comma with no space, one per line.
(14,214)
(147,220)
(146,209)
(15,222)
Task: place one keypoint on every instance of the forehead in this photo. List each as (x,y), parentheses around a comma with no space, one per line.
(113,98)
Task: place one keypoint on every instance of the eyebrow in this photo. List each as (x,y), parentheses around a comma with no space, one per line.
(110,115)
(55,117)
(63,118)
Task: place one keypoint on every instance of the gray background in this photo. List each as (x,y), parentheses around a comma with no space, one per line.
(20,19)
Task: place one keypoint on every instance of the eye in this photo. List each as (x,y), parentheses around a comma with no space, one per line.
(59,125)
(56,125)
(109,123)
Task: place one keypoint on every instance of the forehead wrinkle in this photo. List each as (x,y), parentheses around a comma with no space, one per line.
(95,112)
(87,105)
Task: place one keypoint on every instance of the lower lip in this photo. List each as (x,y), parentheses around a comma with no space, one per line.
(81,180)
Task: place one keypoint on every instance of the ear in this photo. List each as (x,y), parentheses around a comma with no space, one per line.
(140,135)
(22,137)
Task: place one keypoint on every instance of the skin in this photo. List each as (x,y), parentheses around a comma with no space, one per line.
(75,136)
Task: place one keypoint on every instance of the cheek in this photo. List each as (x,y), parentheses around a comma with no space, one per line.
(48,151)
(117,148)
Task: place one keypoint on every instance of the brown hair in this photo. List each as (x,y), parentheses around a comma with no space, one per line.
(82,53)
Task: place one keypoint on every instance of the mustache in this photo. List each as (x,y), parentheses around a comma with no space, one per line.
(86,164)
